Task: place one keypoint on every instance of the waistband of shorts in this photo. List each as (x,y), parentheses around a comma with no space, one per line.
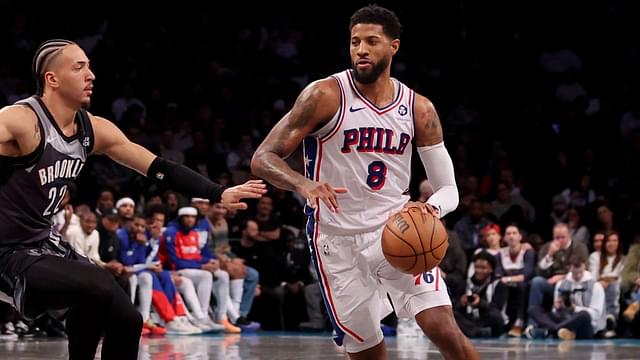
(339,231)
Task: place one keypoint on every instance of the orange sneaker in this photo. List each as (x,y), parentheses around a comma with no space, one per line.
(153,328)
(229,327)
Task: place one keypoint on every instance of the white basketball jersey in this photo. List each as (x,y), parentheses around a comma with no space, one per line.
(509,264)
(367,150)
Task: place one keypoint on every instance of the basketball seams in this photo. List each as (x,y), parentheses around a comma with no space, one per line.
(403,262)
(404,241)
(419,254)
(424,251)
(415,255)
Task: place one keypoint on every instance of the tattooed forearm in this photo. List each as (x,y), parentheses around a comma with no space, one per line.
(268,160)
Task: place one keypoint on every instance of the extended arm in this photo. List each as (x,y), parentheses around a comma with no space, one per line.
(315,106)
(113,143)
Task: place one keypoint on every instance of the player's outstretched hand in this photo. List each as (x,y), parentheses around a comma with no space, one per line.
(252,189)
(323,191)
(424,207)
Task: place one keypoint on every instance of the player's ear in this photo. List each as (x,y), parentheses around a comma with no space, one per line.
(51,79)
(395,45)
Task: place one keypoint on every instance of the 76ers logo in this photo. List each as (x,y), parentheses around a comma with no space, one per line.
(402,110)
(427,276)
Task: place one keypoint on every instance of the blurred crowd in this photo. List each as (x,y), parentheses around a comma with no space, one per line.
(541,116)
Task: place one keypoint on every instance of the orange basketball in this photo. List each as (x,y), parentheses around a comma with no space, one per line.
(413,242)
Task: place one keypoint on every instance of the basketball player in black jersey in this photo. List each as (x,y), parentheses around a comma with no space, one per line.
(44,142)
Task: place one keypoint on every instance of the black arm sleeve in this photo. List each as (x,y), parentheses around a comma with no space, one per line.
(182,179)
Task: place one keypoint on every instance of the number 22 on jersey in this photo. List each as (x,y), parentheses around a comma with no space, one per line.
(55,197)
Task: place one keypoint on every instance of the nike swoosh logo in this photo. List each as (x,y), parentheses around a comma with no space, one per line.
(356,109)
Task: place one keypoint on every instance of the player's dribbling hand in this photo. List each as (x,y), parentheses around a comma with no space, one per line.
(314,191)
(252,189)
(424,208)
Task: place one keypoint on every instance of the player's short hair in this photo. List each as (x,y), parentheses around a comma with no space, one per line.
(374,14)
(45,53)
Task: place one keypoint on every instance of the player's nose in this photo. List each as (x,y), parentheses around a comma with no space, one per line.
(363,50)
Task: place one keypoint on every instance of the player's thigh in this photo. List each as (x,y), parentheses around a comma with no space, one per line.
(412,294)
(349,292)
(56,282)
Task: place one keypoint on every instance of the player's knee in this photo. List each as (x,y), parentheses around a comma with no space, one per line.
(124,315)
(442,335)
(135,319)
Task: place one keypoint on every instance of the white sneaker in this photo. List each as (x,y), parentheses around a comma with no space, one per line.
(189,325)
(178,327)
(206,325)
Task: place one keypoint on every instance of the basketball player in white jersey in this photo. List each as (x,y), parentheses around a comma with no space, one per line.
(44,142)
(356,128)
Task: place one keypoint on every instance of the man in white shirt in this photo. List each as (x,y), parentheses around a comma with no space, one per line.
(85,239)
(578,306)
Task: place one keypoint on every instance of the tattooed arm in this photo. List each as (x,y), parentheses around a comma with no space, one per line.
(315,106)
(428,129)
(19,130)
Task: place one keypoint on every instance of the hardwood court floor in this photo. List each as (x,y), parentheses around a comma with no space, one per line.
(272,345)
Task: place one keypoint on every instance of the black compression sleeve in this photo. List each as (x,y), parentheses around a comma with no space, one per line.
(182,179)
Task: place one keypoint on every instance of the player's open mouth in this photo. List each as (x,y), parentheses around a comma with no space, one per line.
(364,64)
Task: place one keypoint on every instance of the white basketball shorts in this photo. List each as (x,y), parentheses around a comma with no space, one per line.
(355,279)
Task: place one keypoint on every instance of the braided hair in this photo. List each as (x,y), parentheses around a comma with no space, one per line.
(45,53)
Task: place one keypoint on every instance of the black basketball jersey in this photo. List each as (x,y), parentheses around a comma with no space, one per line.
(32,187)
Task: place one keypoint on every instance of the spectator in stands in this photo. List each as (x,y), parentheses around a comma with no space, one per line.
(454,264)
(85,239)
(506,201)
(605,217)
(297,276)
(578,306)
(155,244)
(492,243)
(192,259)
(173,204)
(268,223)
(105,201)
(553,265)
(630,286)
(468,228)
(479,311)
(581,195)
(109,246)
(606,267)
(243,279)
(559,213)
(269,260)
(126,209)
(579,231)
(517,264)
(239,160)
(154,284)
(597,241)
